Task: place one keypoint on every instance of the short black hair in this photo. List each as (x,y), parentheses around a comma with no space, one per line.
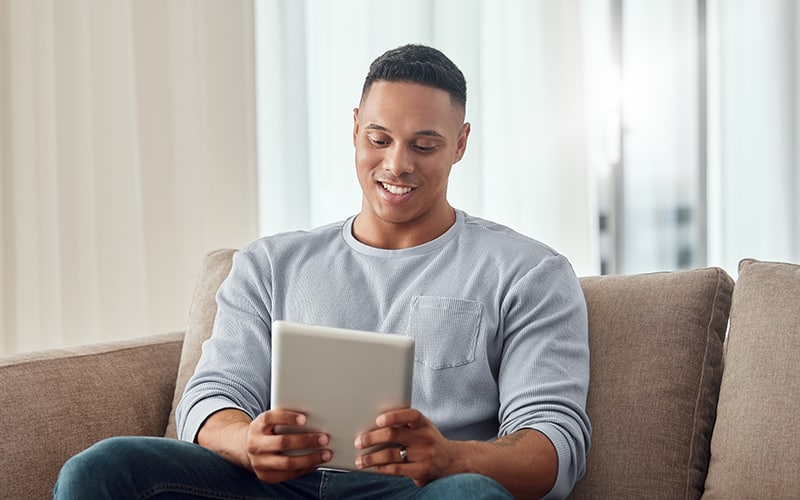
(418,64)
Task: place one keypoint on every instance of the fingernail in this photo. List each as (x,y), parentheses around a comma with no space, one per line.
(301,420)
(326,456)
(323,440)
(359,463)
(357,444)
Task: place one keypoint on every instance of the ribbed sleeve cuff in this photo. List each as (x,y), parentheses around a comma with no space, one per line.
(565,480)
(199,413)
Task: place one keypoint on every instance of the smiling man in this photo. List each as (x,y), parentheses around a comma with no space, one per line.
(499,321)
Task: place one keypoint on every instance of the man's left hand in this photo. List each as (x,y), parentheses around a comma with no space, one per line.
(410,445)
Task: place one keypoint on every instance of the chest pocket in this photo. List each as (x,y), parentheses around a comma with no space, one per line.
(445,330)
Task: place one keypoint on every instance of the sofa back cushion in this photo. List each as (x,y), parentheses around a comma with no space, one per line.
(754,451)
(656,362)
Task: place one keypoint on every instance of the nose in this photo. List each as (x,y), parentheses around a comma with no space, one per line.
(398,161)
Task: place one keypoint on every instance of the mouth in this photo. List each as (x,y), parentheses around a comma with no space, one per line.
(396,190)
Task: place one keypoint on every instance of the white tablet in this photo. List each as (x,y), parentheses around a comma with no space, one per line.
(341,379)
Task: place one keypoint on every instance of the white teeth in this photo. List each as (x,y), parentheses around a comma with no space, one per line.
(396,189)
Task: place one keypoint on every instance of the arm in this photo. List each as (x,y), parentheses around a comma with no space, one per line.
(524,462)
(254,445)
(233,370)
(542,381)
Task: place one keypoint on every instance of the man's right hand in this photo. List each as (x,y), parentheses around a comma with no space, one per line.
(254,444)
(267,450)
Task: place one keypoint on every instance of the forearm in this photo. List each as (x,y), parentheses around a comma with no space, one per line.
(525,462)
(225,433)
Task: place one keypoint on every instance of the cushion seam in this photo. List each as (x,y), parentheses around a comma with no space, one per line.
(703,376)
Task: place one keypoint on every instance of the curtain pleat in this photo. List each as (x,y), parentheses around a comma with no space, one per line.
(128,152)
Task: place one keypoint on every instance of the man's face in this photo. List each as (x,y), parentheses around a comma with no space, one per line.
(407,137)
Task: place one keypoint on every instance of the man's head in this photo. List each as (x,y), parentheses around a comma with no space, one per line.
(421,65)
(408,131)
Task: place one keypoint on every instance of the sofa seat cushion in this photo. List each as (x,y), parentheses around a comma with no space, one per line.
(754,451)
(656,345)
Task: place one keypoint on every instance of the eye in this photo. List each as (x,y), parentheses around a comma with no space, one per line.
(376,140)
(424,148)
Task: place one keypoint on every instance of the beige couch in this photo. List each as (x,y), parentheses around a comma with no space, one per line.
(657,391)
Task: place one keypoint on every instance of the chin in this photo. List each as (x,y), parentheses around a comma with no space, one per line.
(395,216)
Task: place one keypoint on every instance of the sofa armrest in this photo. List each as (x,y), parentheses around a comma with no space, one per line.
(55,403)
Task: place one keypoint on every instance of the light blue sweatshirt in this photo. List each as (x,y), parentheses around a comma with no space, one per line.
(499,321)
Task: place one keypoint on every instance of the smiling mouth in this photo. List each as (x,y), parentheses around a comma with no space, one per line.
(396,190)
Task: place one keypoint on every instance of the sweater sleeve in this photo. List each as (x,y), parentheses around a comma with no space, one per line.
(234,368)
(544,374)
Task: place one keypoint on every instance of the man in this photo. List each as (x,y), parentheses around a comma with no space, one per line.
(501,375)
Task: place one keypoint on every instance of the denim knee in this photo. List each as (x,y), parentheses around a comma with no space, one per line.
(145,467)
(96,471)
(465,486)
(106,469)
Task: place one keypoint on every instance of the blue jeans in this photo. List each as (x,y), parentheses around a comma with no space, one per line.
(142,467)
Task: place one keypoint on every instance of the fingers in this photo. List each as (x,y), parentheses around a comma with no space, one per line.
(281,431)
(279,468)
(267,421)
(395,456)
(389,456)
(279,448)
(288,444)
(407,417)
(386,436)
(397,426)
(405,443)
(289,462)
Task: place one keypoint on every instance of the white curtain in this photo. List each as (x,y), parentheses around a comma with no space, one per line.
(754,134)
(127,141)
(526,163)
(661,175)
(135,135)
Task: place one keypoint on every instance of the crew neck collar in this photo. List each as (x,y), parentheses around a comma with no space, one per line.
(435,244)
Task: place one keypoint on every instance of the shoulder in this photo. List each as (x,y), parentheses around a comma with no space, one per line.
(288,249)
(511,257)
(291,241)
(504,240)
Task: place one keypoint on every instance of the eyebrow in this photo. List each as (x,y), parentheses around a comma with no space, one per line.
(381,128)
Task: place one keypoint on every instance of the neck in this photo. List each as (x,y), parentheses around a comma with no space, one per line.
(379,233)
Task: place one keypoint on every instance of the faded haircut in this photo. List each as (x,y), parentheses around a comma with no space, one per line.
(418,64)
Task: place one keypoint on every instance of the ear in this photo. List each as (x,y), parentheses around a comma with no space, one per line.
(461,142)
(355,125)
